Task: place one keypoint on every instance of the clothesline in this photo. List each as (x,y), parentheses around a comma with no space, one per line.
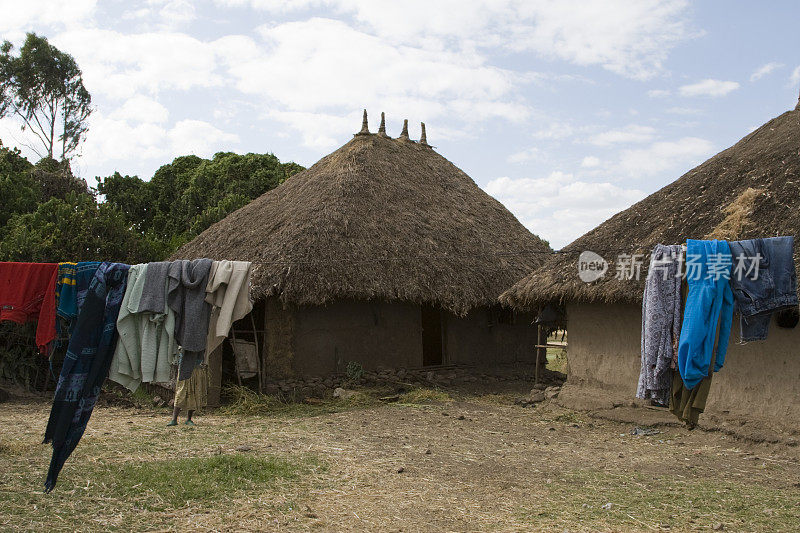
(682,347)
(129,323)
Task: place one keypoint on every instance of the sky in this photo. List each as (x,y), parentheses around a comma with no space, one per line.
(567,112)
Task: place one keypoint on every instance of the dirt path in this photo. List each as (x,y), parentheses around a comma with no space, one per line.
(470,465)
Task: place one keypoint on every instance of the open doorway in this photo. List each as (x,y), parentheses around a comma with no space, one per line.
(432,349)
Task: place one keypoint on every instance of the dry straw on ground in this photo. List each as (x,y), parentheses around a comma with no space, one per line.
(471,464)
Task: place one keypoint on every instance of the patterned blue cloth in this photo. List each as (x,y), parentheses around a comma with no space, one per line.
(85,365)
(709,302)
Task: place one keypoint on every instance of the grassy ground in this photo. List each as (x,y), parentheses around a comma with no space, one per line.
(430,461)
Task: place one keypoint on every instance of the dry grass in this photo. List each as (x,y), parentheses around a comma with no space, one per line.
(424,396)
(737,216)
(463,465)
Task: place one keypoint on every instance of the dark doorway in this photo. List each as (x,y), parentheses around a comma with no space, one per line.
(431,336)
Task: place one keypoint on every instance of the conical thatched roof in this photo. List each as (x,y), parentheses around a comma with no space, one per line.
(750,190)
(379,218)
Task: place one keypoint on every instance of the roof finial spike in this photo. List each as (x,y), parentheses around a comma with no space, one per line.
(382,128)
(404,133)
(423,139)
(364,125)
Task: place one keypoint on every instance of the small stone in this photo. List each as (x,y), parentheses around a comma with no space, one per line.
(719,526)
(428,451)
(344,394)
(461,417)
(243,448)
(607,507)
(401,470)
(536,396)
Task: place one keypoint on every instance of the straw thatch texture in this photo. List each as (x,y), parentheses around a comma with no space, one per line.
(379,218)
(750,190)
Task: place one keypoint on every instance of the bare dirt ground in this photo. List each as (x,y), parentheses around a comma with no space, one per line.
(473,462)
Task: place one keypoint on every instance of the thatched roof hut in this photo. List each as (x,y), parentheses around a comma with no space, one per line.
(379,218)
(749,190)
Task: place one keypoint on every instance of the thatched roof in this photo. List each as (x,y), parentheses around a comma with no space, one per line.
(379,218)
(750,190)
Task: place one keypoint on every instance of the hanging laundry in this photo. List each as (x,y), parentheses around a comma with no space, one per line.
(86,364)
(28,293)
(661,323)
(159,330)
(146,341)
(228,292)
(187,282)
(764,281)
(66,289)
(709,304)
(688,404)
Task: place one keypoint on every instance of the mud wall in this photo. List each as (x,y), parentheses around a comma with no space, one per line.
(478,339)
(375,334)
(760,378)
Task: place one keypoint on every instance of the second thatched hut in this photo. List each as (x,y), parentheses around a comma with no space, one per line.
(750,190)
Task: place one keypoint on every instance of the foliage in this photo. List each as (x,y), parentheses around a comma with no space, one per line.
(19,192)
(20,360)
(76,228)
(186,196)
(354,371)
(43,88)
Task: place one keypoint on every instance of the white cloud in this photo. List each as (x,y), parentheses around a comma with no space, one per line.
(18,17)
(199,137)
(658,93)
(404,81)
(678,110)
(629,134)
(590,162)
(526,156)
(555,131)
(114,139)
(559,207)
(709,87)
(763,70)
(629,38)
(794,79)
(663,156)
(175,13)
(122,65)
(141,109)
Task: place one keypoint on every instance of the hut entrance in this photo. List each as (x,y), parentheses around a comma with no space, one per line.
(431,336)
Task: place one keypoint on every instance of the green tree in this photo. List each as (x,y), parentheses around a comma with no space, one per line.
(43,88)
(72,229)
(188,195)
(19,192)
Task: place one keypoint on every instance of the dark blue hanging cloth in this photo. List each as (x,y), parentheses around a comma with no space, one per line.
(86,364)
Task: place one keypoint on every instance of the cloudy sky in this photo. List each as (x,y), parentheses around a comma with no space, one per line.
(565,111)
